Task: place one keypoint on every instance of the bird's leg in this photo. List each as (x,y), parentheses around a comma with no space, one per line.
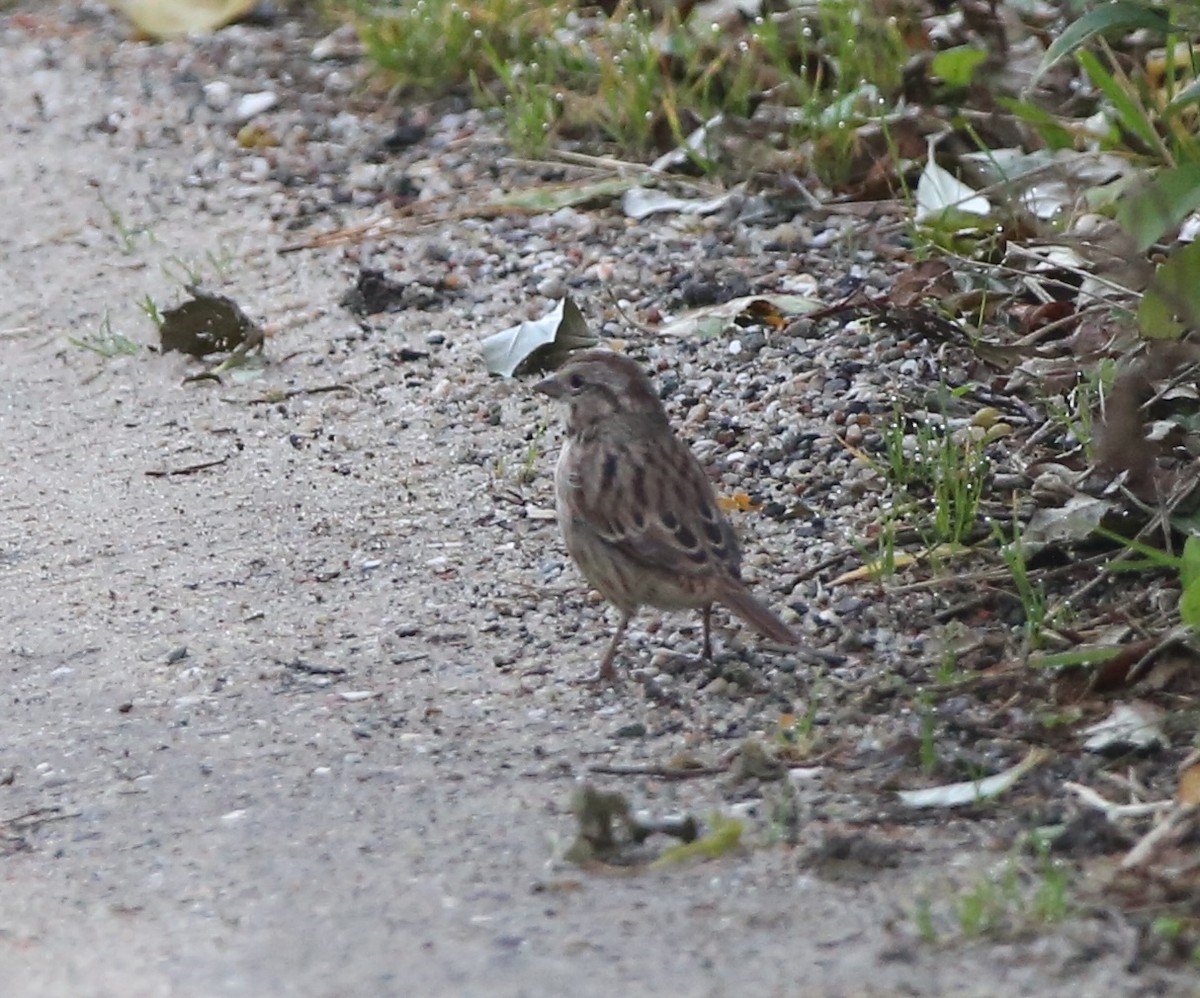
(606,664)
(708,632)
(608,673)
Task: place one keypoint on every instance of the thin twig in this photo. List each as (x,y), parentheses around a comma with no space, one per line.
(276,397)
(191,469)
(39,816)
(661,772)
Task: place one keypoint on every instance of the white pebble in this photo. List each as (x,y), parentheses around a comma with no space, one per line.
(251,105)
(254,170)
(552,287)
(218,94)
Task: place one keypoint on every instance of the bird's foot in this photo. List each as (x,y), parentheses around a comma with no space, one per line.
(676,663)
(606,675)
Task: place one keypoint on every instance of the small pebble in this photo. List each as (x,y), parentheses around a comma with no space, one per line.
(218,94)
(634,730)
(552,287)
(252,105)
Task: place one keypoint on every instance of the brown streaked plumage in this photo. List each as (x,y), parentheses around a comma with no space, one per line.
(637,512)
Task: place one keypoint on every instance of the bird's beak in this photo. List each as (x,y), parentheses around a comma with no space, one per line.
(551,386)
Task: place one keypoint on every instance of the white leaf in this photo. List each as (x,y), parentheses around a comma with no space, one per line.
(558,332)
(641,202)
(1129,726)
(939,192)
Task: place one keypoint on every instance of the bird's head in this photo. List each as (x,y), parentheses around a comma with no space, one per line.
(599,385)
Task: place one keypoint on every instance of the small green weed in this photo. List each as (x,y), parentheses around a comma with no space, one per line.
(1051,901)
(927,713)
(986,907)
(1179,933)
(881,564)
(947,671)
(151,310)
(126,235)
(1077,416)
(796,738)
(105,342)
(533,455)
(1031,594)
(1024,892)
(923,916)
(943,476)
(192,273)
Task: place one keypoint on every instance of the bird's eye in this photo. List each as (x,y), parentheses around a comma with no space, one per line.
(575,382)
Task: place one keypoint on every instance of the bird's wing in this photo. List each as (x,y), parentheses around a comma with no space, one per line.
(650,499)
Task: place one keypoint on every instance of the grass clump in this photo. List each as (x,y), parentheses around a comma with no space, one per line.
(636,83)
(435,45)
(106,342)
(1025,895)
(940,475)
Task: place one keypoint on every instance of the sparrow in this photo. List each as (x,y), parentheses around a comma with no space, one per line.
(637,512)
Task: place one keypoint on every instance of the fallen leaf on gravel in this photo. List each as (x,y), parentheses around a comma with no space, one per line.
(1129,726)
(208,323)
(177,18)
(538,345)
(881,568)
(1075,520)
(711,321)
(945,200)
(641,202)
(549,198)
(925,280)
(874,570)
(971,792)
(739,501)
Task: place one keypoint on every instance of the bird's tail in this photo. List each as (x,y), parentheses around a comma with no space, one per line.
(739,599)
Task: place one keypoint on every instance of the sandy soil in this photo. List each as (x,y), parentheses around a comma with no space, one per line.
(267,729)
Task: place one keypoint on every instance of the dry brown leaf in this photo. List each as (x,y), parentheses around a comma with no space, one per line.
(739,501)
(1189,786)
(922,281)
